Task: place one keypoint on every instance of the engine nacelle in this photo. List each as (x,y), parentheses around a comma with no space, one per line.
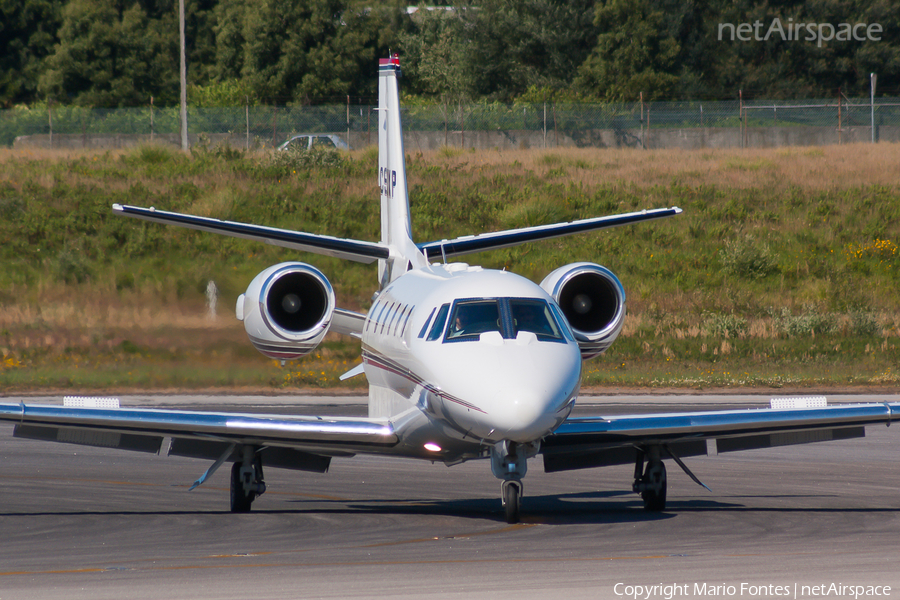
(287,310)
(593,300)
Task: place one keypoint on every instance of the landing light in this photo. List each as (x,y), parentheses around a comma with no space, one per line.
(432,447)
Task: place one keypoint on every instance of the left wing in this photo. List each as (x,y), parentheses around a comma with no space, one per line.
(356,250)
(586,442)
(298,442)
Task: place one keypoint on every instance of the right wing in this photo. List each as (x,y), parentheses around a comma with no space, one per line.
(469,244)
(356,250)
(297,442)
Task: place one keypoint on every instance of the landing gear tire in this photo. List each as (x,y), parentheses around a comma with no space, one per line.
(240,499)
(653,485)
(512,500)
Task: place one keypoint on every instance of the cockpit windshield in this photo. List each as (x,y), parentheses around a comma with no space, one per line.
(508,316)
(534,316)
(472,318)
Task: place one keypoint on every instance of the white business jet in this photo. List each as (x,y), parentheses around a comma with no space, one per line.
(462,362)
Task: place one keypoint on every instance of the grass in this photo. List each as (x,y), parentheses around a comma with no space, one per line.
(782,271)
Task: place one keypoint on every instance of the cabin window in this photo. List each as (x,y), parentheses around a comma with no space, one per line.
(438,328)
(406,320)
(387,318)
(427,321)
(392,315)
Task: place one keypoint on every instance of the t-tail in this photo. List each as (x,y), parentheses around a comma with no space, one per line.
(396,230)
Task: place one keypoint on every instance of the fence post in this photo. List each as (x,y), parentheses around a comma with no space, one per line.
(151,119)
(275,126)
(50,119)
(555,129)
(741,115)
(462,125)
(247,119)
(872,79)
(545,124)
(840,127)
(643,143)
(348,121)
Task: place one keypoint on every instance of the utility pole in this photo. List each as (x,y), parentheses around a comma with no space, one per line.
(184,124)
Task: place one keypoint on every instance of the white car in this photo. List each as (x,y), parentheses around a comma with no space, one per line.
(307,141)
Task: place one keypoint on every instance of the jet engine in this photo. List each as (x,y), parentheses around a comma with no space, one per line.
(593,301)
(287,310)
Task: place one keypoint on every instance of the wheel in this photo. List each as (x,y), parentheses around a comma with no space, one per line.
(511,500)
(240,501)
(654,487)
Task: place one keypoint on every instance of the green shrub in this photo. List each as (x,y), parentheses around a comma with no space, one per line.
(72,266)
(747,258)
(721,325)
(864,323)
(810,322)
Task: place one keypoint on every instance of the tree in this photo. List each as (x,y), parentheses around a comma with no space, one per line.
(518,44)
(435,54)
(306,50)
(638,50)
(27,35)
(114,53)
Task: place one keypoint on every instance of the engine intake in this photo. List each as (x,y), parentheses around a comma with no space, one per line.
(593,300)
(287,310)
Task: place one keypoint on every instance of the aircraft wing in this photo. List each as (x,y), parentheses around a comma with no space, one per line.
(356,250)
(298,442)
(513,237)
(587,442)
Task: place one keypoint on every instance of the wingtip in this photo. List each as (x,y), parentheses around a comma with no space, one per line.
(118,207)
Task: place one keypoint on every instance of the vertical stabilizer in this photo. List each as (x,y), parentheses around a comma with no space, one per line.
(395,221)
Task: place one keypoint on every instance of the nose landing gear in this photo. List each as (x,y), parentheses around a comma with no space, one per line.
(509,462)
(511,492)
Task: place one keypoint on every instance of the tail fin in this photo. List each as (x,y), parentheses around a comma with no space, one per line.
(396,231)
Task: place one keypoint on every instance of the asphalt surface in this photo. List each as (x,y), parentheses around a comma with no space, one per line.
(78,522)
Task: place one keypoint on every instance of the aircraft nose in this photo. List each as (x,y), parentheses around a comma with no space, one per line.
(519,394)
(524,415)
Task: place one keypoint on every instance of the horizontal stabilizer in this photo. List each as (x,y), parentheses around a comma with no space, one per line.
(356,250)
(446,249)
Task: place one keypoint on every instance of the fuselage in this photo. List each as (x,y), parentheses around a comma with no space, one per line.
(486,355)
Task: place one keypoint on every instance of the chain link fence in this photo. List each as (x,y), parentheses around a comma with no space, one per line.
(657,124)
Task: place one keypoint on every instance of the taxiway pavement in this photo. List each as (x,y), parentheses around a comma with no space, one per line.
(92,523)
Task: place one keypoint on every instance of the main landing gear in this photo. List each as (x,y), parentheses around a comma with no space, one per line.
(651,485)
(246,480)
(509,462)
